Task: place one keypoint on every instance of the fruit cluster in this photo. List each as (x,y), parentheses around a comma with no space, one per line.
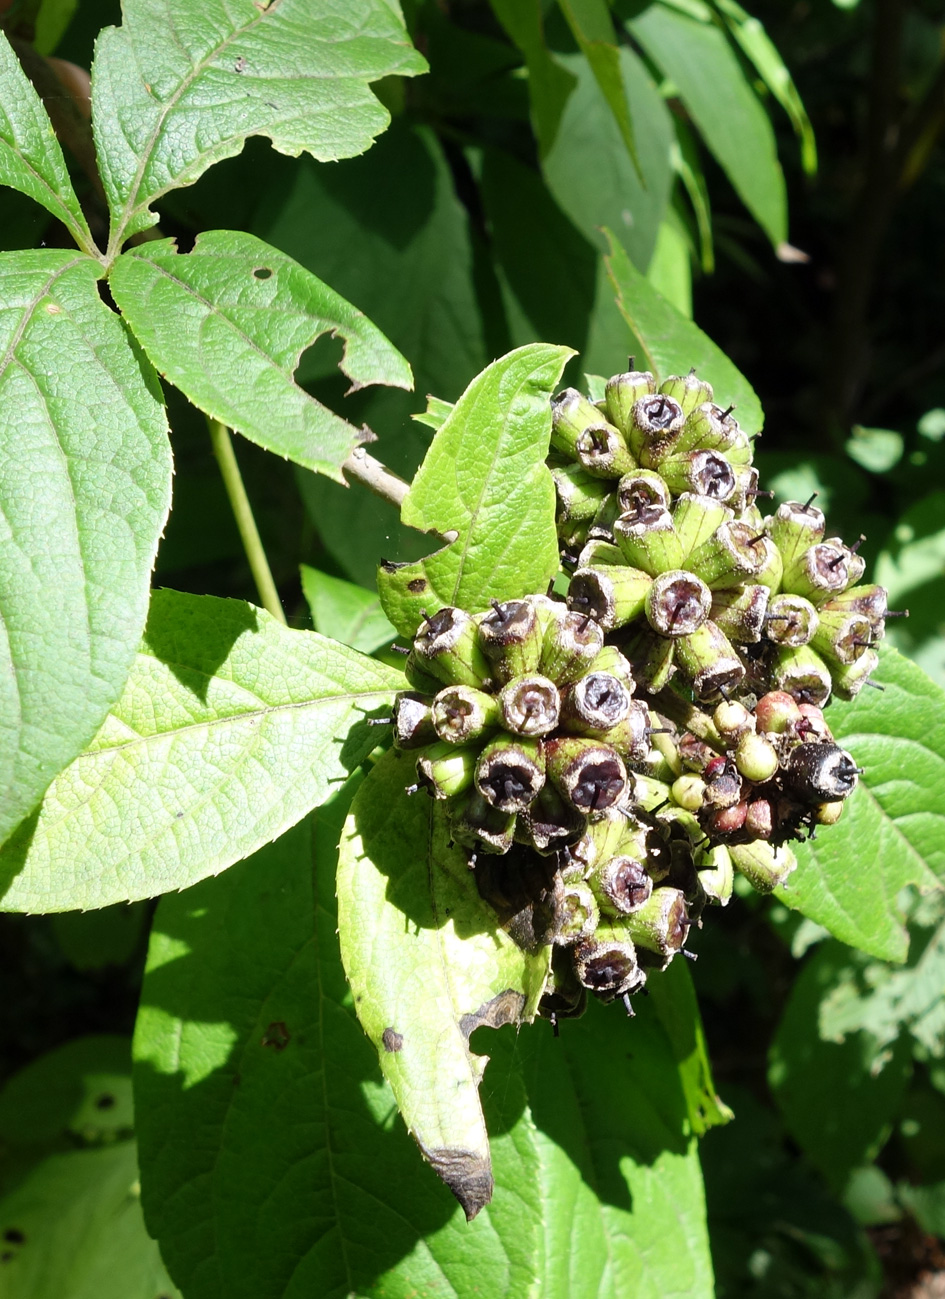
(611,760)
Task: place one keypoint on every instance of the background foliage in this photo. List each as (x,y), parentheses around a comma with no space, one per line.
(475,224)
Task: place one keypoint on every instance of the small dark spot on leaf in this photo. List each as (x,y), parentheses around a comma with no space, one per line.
(418,585)
(13,1236)
(6,1256)
(178,816)
(274,107)
(237,1080)
(277,1036)
(240,64)
(392,1040)
(104,1102)
(262,273)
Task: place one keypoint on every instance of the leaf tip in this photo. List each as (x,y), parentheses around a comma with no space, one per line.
(467,1174)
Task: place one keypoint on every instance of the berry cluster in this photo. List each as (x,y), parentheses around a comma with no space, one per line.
(610,761)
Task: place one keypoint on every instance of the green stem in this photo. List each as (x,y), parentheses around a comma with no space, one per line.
(243,513)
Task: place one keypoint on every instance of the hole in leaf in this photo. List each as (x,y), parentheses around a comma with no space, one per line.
(105,1101)
(262,273)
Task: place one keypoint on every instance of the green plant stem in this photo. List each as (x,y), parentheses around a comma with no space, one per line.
(243,513)
(687,716)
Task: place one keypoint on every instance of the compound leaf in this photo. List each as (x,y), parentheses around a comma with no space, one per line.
(30,157)
(485,478)
(180,86)
(227,324)
(672,344)
(230,729)
(427,965)
(892,832)
(85,478)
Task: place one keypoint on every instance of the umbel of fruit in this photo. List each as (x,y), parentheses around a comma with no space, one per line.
(611,760)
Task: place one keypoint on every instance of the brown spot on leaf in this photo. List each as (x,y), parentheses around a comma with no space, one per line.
(392,1040)
(468,1175)
(105,1102)
(504,1008)
(277,1036)
(417,586)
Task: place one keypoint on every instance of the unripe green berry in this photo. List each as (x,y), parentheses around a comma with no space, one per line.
(849,680)
(571,643)
(641,493)
(621,885)
(689,792)
(571,415)
(655,425)
(756,758)
(777,712)
(716,874)
(795,528)
(732,720)
(706,473)
(801,672)
(765,867)
(603,452)
(477,824)
(577,915)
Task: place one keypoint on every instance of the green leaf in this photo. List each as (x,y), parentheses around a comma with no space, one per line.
(629,198)
(91,940)
(705,71)
(892,832)
(79,1231)
(345,612)
(875,449)
(178,88)
(227,324)
(230,729)
(671,344)
(81,1090)
(273,1162)
(427,964)
(838,1099)
(674,1000)
(886,1000)
(484,476)
(757,46)
(912,568)
(52,22)
(435,414)
(30,157)
(670,270)
(84,492)
(622,1198)
(774,1227)
(593,29)
(418,289)
(549,84)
